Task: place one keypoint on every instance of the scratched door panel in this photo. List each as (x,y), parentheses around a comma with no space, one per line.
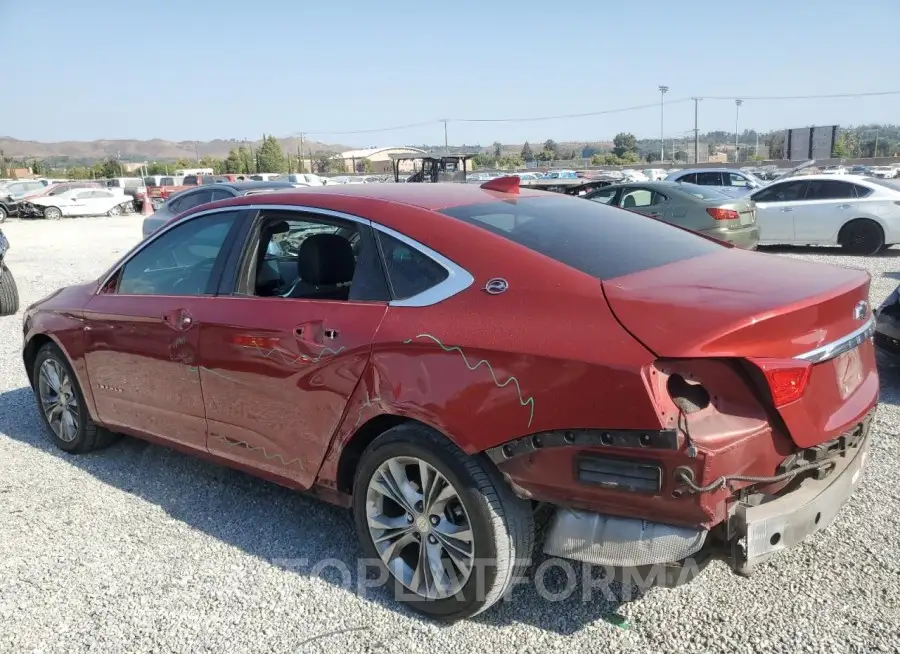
(143,370)
(274,396)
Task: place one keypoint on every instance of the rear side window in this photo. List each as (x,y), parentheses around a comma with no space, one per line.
(409,271)
(690,178)
(829,189)
(783,192)
(709,179)
(597,240)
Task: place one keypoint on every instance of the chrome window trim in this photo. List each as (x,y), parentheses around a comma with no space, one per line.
(458,278)
(841,345)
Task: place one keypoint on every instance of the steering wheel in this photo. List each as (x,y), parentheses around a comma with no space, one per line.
(194,282)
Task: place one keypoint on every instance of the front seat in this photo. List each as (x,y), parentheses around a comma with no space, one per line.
(629,202)
(326,265)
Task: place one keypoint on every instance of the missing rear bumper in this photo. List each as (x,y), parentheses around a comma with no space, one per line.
(761,531)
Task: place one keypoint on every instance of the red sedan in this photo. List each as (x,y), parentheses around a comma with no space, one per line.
(446,358)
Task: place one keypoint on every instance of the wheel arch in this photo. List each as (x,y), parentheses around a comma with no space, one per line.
(859,219)
(29,352)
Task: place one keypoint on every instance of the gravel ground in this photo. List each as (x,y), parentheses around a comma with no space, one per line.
(138,548)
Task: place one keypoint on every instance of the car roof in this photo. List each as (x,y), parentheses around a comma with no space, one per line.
(421,195)
(251,185)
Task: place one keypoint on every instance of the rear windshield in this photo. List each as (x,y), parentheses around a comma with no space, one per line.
(601,241)
(893,184)
(702,192)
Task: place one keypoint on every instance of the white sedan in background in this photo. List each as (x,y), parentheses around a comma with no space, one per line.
(861,214)
(80,202)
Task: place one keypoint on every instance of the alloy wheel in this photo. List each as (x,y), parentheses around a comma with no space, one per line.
(58,400)
(420,527)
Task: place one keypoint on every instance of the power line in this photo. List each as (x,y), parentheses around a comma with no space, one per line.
(801,97)
(559,117)
(372,131)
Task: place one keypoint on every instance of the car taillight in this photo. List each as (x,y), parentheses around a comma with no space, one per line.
(722,214)
(787,378)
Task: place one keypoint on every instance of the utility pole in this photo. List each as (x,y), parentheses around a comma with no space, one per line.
(301,152)
(662,98)
(737,113)
(197,151)
(696,129)
(756,154)
(875,156)
(444,120)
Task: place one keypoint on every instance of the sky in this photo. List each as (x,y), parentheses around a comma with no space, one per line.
(183,70)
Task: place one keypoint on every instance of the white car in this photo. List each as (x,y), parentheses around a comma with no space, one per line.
(884,172)
(834,170)
(634,175)
(861,214)
(81,202)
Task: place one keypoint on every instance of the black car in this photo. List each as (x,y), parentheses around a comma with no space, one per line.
(887,325)
(9,294)
(206,193)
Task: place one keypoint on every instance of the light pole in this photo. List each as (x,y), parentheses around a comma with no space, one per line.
(696,129)
(662,100)
(737,114)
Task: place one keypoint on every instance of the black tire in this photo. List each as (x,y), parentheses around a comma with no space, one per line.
(502,525)
(52,213)
(862,236)
(89,436)
(115,211)
(9,292)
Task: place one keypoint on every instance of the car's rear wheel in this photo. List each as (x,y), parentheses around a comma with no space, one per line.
(447,530)
(61,403)
(115,211)
(52,213)
(9,292)
(862,236)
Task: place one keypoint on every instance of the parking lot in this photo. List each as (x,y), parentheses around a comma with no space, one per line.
(140,548)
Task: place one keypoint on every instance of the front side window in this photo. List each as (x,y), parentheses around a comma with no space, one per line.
(638,198)
(690,178)
(733,179)
(603,196)
(190,200)
(599,241)
(709,179)
(180,261)
(783,192)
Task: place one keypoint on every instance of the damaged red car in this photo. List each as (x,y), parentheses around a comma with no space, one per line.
(445,359)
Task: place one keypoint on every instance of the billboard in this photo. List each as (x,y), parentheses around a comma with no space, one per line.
(810,142)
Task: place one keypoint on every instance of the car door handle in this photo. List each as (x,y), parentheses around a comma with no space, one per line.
(787,209)
(844,206)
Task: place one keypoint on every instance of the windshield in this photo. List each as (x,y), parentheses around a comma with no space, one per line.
(601,241)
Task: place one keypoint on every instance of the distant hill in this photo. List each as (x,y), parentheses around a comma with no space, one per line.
(133,150)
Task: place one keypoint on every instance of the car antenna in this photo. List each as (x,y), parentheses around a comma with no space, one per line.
(508,184)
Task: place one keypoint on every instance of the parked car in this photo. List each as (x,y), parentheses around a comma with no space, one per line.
(12,193)
(731,182)
(884,172)
(835,170)
(699,208)
(79,202)
(201,195)
(9,293)
(684,410)
(861,214)
(887,326)
(27,210)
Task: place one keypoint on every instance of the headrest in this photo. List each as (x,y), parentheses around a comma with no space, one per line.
(629,201)
(326,259)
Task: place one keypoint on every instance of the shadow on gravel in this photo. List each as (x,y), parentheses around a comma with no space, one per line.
(298,533)
(890,253)
(889,373)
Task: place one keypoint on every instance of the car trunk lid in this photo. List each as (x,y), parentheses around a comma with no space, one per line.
(768,311)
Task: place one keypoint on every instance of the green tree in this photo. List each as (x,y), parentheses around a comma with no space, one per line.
(680,156)
(270,156)
(498,149)
(527,154)
(550,145)
(246,157)
(109,168)
(546,155)
(483,160)
(610,159)
(624,142)
(509,162)
(649,158)
(233,162)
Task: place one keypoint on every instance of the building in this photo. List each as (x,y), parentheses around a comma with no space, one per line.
(379,159)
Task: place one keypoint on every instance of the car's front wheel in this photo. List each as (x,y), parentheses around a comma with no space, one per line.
(52,213)
(61,403)
(2,214)
(9,292)
(448,531)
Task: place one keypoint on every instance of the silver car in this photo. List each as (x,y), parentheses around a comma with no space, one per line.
(207,193)
(731,182)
